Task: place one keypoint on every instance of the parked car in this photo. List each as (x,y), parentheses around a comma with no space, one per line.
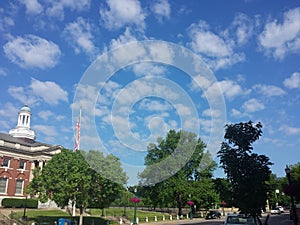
(281,209)
(238,219)
(213,214)
(276,211)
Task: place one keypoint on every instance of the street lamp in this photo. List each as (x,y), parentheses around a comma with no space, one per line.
(276,193)
(135,200)
(288,174)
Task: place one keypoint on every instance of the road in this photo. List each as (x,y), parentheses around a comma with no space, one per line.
(282,219)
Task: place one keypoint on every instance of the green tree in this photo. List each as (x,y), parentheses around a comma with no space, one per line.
(224,188)
(68,178)
(180,157)
(248,172)
(295,178)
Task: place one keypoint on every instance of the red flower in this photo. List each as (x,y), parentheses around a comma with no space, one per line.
(190,203)
(136,200)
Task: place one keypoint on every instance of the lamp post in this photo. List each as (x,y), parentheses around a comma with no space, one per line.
(190,203)
(135,200)
(288,174)
(223,203)
(276,193)
(24,217)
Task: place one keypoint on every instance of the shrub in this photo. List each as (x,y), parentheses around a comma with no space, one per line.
(19,203)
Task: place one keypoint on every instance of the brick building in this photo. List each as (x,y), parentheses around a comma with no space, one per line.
(20,153)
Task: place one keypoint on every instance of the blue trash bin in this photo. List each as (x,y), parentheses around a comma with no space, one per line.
(63,221)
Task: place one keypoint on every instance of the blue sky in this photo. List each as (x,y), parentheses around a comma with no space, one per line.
(140,68)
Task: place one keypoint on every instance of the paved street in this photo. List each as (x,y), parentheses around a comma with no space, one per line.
(273,220)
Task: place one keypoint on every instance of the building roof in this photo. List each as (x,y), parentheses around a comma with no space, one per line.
(21,141)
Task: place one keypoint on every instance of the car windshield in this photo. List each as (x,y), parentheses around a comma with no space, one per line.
(240,220)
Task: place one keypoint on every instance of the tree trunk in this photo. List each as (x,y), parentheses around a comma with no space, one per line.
(81,216)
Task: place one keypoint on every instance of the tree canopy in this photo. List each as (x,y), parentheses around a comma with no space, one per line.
(68,178)
(247,172)
(187,165)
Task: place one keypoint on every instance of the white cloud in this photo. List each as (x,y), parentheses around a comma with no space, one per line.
(153,105)
(269,90)
(229,88)
(79,35)
(293,81)
(32,52)
(206,42)
(122,13)
(38,91)
(46,130)
(49,91)
(290,130)
(123,39)
(3,72)
(252,105)
(279,39)
(236,113)
(241,29)
(218,51)
(161,9)
(56,8)
(45,114)
(32,7)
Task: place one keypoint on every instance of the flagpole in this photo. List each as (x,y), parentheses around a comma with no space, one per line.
(77,144)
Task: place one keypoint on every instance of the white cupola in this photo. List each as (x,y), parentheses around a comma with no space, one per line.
(22,129)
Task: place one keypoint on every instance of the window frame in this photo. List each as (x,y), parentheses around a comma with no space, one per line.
(19,188)
(6,185)
(24,164)
(3,162)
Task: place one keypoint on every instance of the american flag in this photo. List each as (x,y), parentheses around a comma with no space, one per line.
(77,135)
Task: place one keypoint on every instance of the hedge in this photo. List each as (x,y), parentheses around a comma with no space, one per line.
(19,203)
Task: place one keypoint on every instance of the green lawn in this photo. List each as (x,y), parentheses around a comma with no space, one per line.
(43,216)
(46,217)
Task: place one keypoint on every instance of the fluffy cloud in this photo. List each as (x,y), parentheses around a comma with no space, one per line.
(279,39)
(269,90)
(121,13)
(32,52)
(56,8)
(290,130)
(252,105)
(229,88)
(79,35)
(218,51)
(32,6)
(38,91)
(49,91)
(293,81)
(161,9)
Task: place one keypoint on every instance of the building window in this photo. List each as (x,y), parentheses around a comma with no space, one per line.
(5,162)
(19,187)
(22,165)
(3,185)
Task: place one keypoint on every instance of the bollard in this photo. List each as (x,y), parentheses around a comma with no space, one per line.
(147,220)
(177,217)
(137,220)
(171,217)
(164,218)
(155,218)
(187,215)
(121,221)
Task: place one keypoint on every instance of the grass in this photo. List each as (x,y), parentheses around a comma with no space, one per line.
(45,217)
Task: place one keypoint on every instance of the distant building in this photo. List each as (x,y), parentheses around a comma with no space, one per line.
(19,155)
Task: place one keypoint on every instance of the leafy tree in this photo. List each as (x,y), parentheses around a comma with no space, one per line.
(295,178)
(247,171)
(179,157)
(68,178)
(224,188)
